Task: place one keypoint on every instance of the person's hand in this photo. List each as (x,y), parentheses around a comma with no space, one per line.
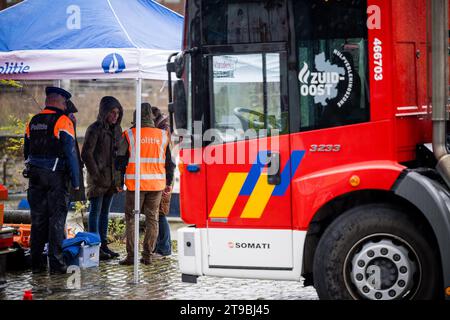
(76,189)
(167,189)
(119,189)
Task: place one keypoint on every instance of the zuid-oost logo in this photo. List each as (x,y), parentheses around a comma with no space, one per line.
(322,84)
(113,63)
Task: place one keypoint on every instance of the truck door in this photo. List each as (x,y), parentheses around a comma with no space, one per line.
(249,162)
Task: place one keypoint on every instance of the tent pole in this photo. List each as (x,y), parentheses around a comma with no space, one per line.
(137,179)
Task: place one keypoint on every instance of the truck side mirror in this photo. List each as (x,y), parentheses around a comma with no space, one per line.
(179,65)
(179,105)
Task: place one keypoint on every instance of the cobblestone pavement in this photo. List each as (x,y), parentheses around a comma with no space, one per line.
(161,280)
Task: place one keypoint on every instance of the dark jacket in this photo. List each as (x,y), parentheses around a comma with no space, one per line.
(42,152)
(99,154)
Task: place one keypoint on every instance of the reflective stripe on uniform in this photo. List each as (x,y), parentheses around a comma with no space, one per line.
(148,160)
(147,176)
(132,147)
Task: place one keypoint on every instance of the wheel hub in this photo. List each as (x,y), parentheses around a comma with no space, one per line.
(382,270)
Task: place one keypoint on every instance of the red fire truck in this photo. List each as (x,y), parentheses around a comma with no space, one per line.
(344,179)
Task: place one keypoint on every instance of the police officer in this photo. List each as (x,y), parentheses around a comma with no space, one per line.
(50,155)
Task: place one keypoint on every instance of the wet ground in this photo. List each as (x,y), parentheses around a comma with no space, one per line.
(161,280)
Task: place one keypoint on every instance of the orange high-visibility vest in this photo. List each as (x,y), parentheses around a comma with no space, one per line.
(153,159)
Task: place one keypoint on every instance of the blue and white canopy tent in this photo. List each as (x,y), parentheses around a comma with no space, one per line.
(90,39)
(85,39)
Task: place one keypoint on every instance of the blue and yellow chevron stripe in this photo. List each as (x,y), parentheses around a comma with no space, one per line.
(254,184)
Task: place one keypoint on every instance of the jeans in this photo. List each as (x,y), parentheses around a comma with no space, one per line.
(98,216)
(164,243)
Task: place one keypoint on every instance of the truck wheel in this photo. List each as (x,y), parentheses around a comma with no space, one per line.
(376,252)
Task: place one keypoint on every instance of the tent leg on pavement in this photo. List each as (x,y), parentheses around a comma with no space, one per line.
(137,179)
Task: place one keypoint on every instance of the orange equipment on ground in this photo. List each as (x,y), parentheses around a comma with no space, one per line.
(22,234)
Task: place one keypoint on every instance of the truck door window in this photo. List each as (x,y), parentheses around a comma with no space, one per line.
(331,38)
(246,96)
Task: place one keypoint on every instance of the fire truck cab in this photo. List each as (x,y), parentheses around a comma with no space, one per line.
(310,148)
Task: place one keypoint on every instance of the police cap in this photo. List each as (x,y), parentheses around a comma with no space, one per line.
(59,91)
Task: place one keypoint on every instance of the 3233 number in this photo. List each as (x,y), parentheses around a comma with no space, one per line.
(325,148)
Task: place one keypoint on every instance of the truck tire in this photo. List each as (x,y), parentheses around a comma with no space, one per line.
(376,252)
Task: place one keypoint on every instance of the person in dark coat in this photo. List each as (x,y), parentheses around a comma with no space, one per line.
(99,154)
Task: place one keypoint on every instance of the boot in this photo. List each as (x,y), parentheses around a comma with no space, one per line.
(127,261)
(104,256)
(37,270)
(39,267)
(58,270)
(146,261)
(105,249)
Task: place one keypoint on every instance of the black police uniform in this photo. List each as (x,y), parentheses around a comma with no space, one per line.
(50,154)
